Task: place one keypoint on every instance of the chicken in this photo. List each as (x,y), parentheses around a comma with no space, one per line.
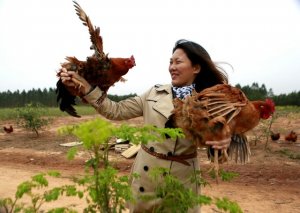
(217,113)
(275,136)
(8,129)
(292,136)
(98,69)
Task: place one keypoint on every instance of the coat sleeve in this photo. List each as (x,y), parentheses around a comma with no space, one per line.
(125,109)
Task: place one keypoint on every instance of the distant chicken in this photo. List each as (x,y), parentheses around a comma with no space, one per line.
(275,136)
(8,129)
(98,69)
(220,112)
(292,136)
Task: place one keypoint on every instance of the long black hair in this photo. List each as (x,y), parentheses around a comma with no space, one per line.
(209,74)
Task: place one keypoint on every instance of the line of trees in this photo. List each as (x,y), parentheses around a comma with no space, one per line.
(256,92)
(47,97)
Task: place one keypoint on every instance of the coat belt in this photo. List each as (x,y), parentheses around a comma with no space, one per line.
(178,158)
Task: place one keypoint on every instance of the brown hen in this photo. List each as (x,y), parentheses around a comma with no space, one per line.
(292,136)
(98,69)
(220,112)
(9,129)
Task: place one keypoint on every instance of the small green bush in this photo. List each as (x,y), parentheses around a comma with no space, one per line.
(30,117)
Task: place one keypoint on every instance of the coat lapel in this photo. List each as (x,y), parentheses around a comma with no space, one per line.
(164,100)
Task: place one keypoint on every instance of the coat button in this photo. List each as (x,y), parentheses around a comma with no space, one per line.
(169,153)
(146,168)
(142,189)
(151,149)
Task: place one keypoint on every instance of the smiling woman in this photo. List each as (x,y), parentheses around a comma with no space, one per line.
(194,65)
(190,67)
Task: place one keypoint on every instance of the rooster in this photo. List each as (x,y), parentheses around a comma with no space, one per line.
(98,69)
(292,136)
(8,129)
(217,113)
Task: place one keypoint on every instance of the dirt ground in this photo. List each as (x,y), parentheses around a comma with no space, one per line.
(270,182)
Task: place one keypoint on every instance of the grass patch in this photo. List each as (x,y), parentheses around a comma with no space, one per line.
(290,154)
(295,109)
(288,111)
(11,113)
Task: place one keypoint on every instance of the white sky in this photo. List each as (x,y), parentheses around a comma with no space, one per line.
(259,38)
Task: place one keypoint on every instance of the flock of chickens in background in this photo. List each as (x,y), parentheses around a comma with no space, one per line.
(291,137)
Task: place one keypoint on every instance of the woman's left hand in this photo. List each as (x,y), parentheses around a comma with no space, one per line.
(72,79)
(222,144)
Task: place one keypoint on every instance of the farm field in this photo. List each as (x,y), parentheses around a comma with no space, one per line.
(270,182)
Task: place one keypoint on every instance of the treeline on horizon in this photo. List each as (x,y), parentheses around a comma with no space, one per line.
(47,97)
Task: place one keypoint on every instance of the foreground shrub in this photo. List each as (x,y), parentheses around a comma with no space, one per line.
(101,187)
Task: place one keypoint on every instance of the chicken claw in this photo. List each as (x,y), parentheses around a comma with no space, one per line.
(78,85)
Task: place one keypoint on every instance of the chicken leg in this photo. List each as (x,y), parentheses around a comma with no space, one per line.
(215,170)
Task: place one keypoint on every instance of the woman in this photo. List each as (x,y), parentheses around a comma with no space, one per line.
(190,68)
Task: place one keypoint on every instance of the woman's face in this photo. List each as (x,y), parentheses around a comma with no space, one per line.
(181,69)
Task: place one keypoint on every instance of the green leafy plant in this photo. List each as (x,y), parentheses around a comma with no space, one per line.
(106,191)
(268,128)
(30,189)
(227,205)
(176,197)
(102,187)
(263,130)
(224,175)
(30,117)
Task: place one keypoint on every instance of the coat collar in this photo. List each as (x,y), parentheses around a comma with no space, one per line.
(167,88)
(164,100)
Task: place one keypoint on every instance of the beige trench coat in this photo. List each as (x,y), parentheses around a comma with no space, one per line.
(155,106)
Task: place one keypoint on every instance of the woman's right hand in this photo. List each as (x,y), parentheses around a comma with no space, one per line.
(72,79)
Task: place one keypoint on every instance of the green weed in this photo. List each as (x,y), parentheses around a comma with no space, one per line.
(290,154)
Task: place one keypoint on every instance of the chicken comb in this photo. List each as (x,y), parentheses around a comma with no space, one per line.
(270,103)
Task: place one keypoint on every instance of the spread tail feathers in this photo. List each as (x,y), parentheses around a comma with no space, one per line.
(65,100)
(239,149)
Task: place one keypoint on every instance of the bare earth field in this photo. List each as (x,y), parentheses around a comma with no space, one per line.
(270,182)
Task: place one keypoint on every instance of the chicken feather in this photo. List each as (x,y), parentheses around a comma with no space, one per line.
(95,37)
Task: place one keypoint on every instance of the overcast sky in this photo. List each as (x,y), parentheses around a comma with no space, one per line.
(259,38)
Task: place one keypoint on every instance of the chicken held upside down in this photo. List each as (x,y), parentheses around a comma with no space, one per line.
(98,69)
(220,112)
